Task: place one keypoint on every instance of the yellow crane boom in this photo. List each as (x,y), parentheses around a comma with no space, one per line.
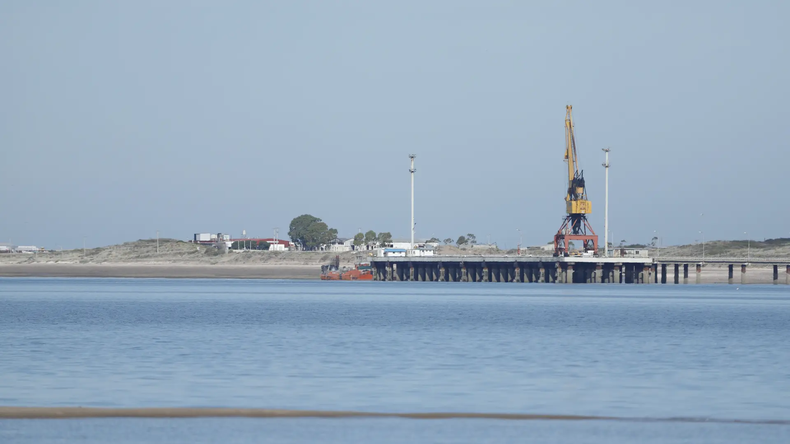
(576,198)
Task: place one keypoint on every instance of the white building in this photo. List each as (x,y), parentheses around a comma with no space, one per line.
(277,247)
(406,244)
(630,252)
(421,252)
(340,245)
(404,252)
(391,252)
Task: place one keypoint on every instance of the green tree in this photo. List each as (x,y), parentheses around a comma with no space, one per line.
(461,241)
(448,241)
(471,238)
(359,239)
(329,236)
(310,232)
(370,237)
(433,240)
(384,238)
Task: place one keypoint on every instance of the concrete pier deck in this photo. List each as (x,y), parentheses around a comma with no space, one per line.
(564,270)
(561,270)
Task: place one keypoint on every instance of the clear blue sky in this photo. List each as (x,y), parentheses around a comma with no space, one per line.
(119,119)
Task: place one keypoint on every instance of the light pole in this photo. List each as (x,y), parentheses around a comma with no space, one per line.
(748,247)
(658,244)
(157,241)
(606,210)
(520,239)
(703,238)
(411,171)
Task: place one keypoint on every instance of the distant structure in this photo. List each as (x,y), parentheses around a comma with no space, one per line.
(216,240)
(606,210)
(575,226)
(28,249)
(404,247)
(630,252)
(412,171)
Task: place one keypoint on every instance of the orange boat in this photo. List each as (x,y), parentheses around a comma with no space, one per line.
(333,272)
(361,272)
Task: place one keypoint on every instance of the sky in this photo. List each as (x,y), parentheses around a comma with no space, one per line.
(121,119)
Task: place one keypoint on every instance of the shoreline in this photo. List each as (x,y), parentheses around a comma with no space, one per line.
(712,275)
(14,412)
(168,271)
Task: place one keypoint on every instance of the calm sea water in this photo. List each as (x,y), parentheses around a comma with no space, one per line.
(720,352)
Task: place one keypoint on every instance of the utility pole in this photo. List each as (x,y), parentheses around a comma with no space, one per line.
(606,207)
(748,246)
(83,246)
(520,240)
(658,244)
(411,171)
(157,241)
(702,234)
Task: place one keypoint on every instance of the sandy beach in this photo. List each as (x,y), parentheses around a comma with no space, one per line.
(191,271)
(177,259)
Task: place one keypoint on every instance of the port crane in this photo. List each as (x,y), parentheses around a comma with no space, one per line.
(575,226)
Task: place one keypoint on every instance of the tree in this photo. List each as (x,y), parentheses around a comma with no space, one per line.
(448,241)
(653,241)
(433,240)
(471,238)
(310,232)
(461,241)
(359,239)
(384,238)
(370,237)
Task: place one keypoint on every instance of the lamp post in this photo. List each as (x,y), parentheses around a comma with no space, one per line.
(748,247)
(411,172)
(658,244)
(606,210)
(520,239)
(703,239)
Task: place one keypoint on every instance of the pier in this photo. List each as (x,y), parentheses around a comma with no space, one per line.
(561,270)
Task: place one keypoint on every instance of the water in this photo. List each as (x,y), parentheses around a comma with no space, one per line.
(718,352)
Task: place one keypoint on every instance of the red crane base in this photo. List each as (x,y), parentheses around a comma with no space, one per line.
(575,227)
